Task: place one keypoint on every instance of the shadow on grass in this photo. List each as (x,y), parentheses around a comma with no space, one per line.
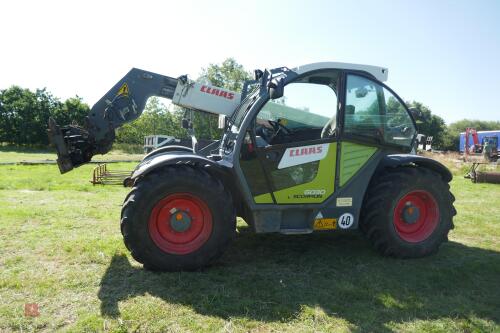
(274,278)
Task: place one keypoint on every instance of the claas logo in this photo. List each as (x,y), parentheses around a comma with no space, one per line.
(306,151)
(217,92)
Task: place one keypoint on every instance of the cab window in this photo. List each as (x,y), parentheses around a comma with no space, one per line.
(372,111)
(307,111)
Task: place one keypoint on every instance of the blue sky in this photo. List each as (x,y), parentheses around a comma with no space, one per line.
(444,54)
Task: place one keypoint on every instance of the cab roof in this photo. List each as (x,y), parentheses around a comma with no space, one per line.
(380,73)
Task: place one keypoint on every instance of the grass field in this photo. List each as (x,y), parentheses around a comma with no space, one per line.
(13,154)
(60,247)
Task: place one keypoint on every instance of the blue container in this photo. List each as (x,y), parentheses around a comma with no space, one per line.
(481,135)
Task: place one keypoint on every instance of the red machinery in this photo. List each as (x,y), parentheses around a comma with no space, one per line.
(473,147)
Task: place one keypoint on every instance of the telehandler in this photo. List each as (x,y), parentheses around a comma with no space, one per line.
(318,147)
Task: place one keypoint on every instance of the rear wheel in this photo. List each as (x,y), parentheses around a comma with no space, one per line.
(178,218)
(407,212)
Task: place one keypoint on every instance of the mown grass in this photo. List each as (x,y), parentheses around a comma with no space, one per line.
(60,247)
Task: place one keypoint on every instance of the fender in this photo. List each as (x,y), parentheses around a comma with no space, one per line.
(172,158)
(166,149)
(396,160)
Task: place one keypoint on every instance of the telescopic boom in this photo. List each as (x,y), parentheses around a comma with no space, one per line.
(124,103)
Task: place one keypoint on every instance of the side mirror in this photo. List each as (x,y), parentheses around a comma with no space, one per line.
(416,113)
(276,88)
(257,74)
(361,92)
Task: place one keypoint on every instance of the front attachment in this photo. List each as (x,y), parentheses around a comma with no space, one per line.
(72,145)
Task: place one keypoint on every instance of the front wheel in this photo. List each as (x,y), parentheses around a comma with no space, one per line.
(407,212)
(178,218)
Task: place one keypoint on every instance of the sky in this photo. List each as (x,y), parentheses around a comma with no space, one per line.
(445,54)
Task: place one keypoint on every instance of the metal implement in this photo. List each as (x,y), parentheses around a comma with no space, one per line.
(477,176)
(102,176)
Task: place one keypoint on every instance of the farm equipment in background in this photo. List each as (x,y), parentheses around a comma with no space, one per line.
(152,142)
(472,146)
(481,154)
(490,148)
(101,175)
(477,176)
(477,145)
(318,147)
(424,142)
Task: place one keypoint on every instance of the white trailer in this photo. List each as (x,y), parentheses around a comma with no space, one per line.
(152,142)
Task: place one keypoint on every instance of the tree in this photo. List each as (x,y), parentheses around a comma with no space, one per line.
(156,119)
(430,125)
(24,114)
(229,75)
(73,110)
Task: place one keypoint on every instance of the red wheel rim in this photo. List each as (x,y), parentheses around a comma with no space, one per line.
(416,216)
(167,235)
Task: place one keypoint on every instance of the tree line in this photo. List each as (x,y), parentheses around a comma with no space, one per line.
(24,114)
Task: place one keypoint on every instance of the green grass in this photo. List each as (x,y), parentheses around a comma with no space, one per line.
(60,247)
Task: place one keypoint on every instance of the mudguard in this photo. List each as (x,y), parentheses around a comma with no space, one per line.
(166,149)
(173,158)
(396,160)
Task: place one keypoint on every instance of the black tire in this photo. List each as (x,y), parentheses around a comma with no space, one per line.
(150,190)
(385,192)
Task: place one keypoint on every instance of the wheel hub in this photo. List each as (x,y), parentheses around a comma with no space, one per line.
(180,221)
(416,216)
(411,213)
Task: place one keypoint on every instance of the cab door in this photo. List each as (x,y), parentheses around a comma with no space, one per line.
(290,153)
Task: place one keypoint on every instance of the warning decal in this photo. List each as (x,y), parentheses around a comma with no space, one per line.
(344,202)
(325,224)
(123,90)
